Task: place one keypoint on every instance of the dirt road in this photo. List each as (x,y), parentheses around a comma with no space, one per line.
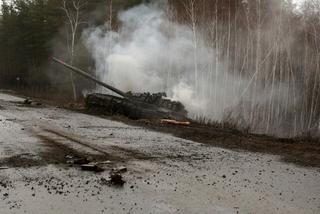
(164,174)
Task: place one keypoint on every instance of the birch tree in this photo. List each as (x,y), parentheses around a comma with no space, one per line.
(73,12)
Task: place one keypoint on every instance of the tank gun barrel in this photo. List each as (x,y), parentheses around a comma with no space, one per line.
(88,76)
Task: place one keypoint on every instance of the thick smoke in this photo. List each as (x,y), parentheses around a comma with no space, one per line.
(152,53)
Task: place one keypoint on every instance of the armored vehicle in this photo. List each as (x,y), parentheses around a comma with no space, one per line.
(132,105)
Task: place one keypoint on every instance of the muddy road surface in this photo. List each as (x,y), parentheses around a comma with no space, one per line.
(43,149)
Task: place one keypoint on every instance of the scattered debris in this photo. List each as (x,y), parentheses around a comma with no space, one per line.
(105,162)
(31,102)
(116,179)
(27,102)
(2,168)
(69,157)
(120,169)
(77,160)
(81,161)
(91,167)
(175,122)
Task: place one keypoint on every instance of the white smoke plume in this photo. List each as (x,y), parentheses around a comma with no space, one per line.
(152,53)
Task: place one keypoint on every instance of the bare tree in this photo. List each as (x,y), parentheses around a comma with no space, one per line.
(72,10)
(190,7)
(108,43)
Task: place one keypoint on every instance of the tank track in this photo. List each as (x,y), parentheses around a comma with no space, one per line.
(137,106)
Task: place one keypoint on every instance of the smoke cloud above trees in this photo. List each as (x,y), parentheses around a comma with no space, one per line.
(252,64)
(220,72)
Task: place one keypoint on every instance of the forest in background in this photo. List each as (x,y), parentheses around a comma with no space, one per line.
(31,31)
(270,43)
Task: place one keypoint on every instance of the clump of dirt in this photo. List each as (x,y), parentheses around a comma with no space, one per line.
(6,184)
(116,179)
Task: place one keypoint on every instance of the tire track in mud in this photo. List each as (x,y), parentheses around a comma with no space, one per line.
(77,141)
(61,141)
(57,143)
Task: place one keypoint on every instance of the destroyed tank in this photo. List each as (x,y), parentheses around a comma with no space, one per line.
(132,105)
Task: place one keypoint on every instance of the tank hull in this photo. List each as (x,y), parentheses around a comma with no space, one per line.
(134,109)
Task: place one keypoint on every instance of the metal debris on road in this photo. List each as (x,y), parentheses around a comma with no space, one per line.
(91,167)
(120,169)
(175,122)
